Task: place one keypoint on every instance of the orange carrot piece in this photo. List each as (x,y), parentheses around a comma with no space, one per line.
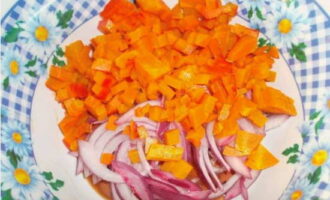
(261,159)
(111,123)
(244,46)
(107,158)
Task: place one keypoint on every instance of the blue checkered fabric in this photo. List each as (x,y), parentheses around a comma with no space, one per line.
(313,76)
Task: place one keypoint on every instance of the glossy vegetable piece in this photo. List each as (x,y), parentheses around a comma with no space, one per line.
(74,107)
(111,123)
(77,55)
(180,169)
(244,46)
(96,107)
(106,158)
(246,142)
(133,155)
(150,67)
(162,152)
(172,137)
(261,158)
(274,101)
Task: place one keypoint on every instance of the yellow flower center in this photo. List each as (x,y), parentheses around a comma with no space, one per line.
(14,67)
(22,177)
(319,157)
(41,33)
(284,26)
(328,103)
(17,137)
(297,195)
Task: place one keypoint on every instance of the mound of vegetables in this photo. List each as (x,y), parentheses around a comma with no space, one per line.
(170,103)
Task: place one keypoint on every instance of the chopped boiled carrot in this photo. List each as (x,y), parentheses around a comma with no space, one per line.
(183,46)
(190,58)
(102,65)
(172,137)
(150,67)
(245,45)
(107,158)
(55,84)
(194,136)
(133,155)
(62,73)
(274,101)
(142,111)
(163,152)
(156,113)
(166,91)
(231,151)
(142,132)
(246,142)
(111,124)
(180,169)
(74,107)
(261,158)
(224,112)
(96,107)
(131,130)
(257,117)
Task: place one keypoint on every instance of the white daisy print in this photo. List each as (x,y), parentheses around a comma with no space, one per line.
(23,181)
(316,153)
(300,189)
(41,33)
(16,137)
(12,67)
(286,24)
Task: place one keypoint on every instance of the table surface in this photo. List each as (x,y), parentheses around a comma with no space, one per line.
(7,4)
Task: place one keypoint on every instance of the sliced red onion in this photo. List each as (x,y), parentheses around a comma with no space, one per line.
(131,113)
(133,179)
(122,152)
(114,193)
(237,164)
(226,186)
(255,174)
(95,179)
(106,137)
(79,166)
(247,125)
(213,146)
(86,172)
(143,158)
(209,167)
(219,170)
(244,191)
(99,122)
(248,94)
(91,160)
(114,143)
(188,185)
(162,127)
(96,134)
(199,195)
(225,140)
(139,168)
(237,188)
(74,154)
(274,121)
(164,191)
(125,192)
(201,164)
(146,122)
(187,153)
